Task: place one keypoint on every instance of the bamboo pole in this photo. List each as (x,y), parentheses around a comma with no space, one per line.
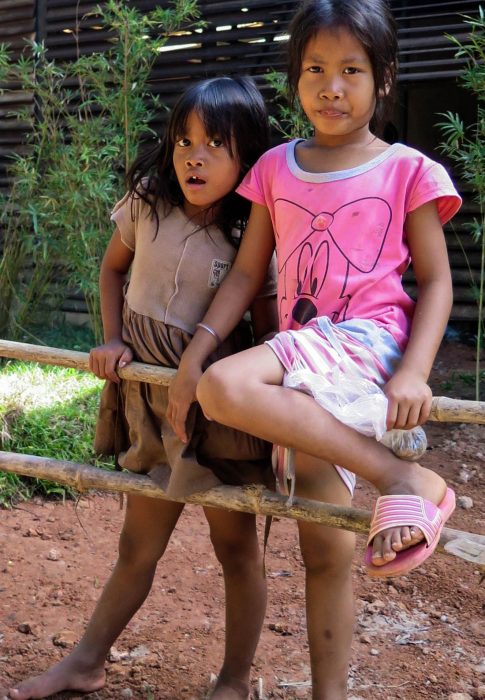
(136,371)
(248,499)
(252,499)
(443,409)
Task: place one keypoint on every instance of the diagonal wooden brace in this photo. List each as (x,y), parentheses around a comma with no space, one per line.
(248,499)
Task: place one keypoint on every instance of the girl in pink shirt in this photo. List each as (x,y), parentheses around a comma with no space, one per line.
(346,212)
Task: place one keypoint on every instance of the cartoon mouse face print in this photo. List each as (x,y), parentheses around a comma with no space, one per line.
(340,246)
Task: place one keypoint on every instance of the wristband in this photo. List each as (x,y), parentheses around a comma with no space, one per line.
(209,330)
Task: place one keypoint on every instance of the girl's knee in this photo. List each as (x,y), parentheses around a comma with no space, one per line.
(234,383)
(327,554)
(235,551)
(233,536)
(220,390)
(212,389)
(135,553)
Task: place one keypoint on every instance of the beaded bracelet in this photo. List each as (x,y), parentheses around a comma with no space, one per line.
(209,330)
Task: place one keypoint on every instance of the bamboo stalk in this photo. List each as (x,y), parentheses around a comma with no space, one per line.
(248,499)
(443,409)
(446,410)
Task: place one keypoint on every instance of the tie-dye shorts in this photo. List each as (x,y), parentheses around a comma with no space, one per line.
(343,366)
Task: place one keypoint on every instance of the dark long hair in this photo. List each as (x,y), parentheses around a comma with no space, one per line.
(230,108)
(369,21)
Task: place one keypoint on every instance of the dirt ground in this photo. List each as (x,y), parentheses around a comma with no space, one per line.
(420,636)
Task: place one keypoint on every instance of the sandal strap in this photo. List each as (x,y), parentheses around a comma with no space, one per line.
(406,510)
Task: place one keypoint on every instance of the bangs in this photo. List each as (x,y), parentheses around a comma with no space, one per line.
(217,118)
(214,105)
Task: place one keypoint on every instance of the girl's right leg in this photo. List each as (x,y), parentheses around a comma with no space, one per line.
(148,525)
(327,555)
(244,391)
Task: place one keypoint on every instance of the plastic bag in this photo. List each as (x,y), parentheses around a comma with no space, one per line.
(360,404)
(406,444)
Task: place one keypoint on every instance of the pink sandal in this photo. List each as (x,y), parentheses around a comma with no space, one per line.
(414,511)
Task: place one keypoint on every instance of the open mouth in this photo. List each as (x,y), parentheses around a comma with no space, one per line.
(194,180)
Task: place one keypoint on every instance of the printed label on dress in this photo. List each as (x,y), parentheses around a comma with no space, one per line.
(219,269)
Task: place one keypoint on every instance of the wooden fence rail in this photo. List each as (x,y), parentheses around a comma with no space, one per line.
(251,499)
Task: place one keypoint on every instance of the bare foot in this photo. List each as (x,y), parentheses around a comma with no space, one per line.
(230,689)
(68,674)
(422,482)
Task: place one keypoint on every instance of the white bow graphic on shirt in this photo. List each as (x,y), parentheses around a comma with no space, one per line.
(365,223)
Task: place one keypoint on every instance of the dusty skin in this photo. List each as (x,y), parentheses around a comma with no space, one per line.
(421,636)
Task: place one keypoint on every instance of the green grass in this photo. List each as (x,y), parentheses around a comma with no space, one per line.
(49,412)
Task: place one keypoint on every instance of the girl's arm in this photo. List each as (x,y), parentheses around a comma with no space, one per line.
(104,359)
(407,391)
(264,318)
(264,309)
(233,298)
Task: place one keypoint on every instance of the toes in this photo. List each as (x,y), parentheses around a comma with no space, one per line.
(416,535)
(377,549)
(22,692)
(390,542)
(396,541)
(382,551)
(406,537)
(401,539)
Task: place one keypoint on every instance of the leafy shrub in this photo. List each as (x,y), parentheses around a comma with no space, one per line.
(87,119)
(291,122)
(466,147)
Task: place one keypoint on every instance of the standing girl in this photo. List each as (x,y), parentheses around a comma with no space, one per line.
(347,213)
(177,229)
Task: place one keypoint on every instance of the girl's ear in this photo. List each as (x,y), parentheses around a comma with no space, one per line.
(388,80)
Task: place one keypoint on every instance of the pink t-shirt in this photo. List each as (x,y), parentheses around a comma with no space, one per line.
(340,241)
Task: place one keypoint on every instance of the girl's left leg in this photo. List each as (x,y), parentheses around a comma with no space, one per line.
(147,529)
(235,542)
(327,555)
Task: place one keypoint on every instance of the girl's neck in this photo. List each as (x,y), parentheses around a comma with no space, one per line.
(202,216)
(316,155)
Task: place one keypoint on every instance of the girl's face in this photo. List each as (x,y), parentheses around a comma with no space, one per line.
(336,87)
(205,169)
